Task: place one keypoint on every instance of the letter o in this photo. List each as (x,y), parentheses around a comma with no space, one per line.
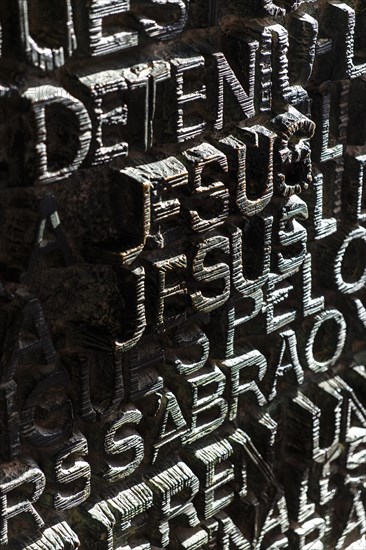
(351,286)
(317,365)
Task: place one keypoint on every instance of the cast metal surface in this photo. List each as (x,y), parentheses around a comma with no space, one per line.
(182,274)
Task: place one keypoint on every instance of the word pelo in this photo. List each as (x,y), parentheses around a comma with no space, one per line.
(182,274)
(196,416)
(214,471)
(213,269)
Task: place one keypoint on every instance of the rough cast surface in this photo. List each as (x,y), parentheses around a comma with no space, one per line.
(183,267)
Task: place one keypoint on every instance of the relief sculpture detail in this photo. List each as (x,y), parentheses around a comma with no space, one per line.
(182,274)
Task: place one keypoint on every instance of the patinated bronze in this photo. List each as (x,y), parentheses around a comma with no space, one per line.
(182,274)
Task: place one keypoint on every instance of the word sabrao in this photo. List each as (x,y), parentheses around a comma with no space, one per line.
(212,473)
(180,337)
